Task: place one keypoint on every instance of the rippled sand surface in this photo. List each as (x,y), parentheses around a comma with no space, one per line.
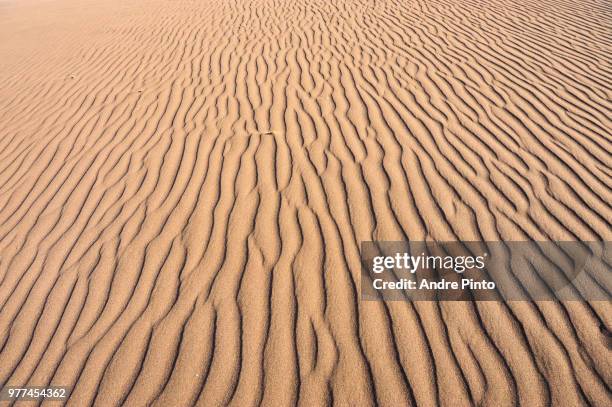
(184,186)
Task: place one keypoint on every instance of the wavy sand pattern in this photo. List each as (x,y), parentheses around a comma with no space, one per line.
(184,186)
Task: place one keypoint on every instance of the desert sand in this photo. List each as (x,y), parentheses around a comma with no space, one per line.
(184,186)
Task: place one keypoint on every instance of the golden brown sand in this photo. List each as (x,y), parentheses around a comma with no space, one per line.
(184,186)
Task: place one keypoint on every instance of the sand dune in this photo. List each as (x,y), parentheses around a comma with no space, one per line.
(184,186)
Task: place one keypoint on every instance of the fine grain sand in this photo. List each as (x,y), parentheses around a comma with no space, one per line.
(184,186)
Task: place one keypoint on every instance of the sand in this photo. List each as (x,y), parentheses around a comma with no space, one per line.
(184,186)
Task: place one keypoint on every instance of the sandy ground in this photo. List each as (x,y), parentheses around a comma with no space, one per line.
(184,186)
